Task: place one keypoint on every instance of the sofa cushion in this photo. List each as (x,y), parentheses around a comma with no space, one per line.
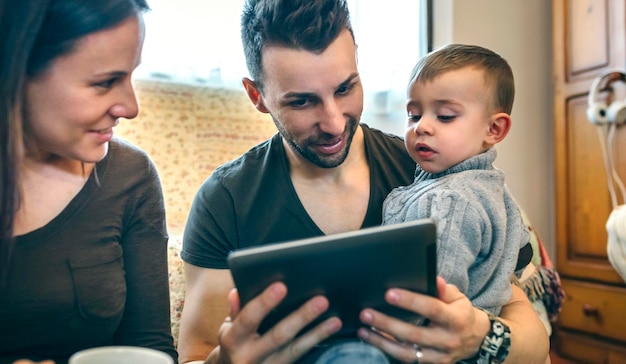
(188,131)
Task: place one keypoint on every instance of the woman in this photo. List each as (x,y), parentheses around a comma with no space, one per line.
(83,241)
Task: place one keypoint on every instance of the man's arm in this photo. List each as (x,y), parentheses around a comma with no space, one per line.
(206,307)
(456,329)
(529,339)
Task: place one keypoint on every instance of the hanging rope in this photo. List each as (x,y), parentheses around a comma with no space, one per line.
(607,141)
(616,224)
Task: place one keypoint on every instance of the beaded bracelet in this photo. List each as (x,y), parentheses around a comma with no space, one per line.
(495,346)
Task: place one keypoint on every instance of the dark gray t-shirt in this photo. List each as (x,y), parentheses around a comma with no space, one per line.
(251,200)
(97,273)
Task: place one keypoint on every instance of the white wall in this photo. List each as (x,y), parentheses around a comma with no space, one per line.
(519,30)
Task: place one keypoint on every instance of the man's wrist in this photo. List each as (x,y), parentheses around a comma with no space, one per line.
(496,345)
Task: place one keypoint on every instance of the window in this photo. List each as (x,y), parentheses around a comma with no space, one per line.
(198,41)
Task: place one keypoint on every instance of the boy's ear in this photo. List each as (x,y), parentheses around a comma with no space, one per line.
(254,94)
(499,127)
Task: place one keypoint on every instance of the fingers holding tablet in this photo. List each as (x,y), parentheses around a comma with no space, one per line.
(239,340)
(452,333)
(293,324)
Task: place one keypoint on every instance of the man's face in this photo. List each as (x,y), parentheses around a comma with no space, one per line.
(315,100)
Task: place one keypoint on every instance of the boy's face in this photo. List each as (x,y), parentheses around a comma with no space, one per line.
(315,100)
(449,119)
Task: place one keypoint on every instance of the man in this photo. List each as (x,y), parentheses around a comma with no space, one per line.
(323,173)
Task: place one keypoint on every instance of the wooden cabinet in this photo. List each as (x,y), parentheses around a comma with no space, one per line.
(589,37)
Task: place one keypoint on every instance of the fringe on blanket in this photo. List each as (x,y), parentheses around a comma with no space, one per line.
(545,285)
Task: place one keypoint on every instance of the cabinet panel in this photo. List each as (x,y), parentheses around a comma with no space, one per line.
(587,21)
(581,348)
(589,203)
(594,308)
(589,38)
(582,199)
(586,205)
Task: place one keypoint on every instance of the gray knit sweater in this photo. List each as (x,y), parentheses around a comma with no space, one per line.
(479,226)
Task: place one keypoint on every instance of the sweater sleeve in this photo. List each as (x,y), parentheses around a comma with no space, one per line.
(472,250)
(460,233)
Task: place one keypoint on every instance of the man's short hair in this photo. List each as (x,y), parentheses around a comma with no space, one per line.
(311,25)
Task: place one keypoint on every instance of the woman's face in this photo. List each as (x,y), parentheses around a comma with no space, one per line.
(72,107)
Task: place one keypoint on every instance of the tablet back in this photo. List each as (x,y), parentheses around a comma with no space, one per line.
(353,270)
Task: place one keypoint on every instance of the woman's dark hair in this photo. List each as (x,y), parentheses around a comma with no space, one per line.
(32,34)
(68,20)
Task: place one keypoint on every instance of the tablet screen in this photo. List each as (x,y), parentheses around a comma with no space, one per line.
(353,270)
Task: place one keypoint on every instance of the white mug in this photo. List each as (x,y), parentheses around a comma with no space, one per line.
(120,355)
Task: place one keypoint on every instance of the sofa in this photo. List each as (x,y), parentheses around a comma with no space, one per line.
(188,130)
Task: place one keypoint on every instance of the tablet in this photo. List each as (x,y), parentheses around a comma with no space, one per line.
(353,270)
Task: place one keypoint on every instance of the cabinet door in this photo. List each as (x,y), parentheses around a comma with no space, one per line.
(589,38)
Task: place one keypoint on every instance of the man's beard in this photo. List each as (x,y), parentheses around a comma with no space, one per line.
(308,154)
